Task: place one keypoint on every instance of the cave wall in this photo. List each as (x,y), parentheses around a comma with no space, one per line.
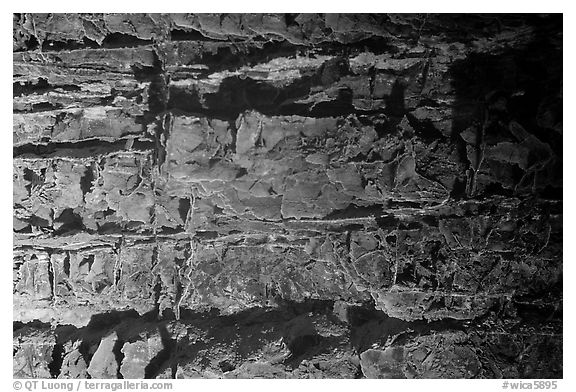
(287,195)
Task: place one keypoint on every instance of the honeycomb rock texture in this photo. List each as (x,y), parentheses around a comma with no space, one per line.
(287,196)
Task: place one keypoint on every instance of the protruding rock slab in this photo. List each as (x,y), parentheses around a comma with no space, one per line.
(138,355)
(104,363)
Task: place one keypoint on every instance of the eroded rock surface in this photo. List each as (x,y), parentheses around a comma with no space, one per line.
(287,196)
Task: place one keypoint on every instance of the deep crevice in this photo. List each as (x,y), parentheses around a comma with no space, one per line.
(79,149)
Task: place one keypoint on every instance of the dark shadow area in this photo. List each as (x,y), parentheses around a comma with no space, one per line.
(513,85)
(237,94)
(369,326)
(236,338)
(121,40)
(68,221)
(78,149)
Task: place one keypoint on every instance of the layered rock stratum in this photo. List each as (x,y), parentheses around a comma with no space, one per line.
(287,196)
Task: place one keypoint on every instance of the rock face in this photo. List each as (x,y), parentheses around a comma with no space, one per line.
(103,363)
(287,196)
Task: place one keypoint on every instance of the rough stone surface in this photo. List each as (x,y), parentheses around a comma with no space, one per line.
(287,196)
(103,363)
